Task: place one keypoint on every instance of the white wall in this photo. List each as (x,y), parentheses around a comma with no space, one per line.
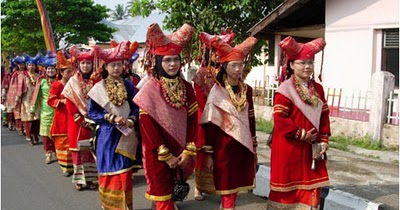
(352,33)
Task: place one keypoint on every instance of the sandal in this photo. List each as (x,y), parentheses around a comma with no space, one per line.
(92,186)
(48,158)
(79,187)
(198,195)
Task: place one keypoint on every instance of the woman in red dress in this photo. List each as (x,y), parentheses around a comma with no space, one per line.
(229,124)
(79,132)
(58,130)
(301,118)
(167,116)
(204,80)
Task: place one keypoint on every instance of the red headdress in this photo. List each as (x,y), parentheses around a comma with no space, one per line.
(172,44)
(228,53)
(81,55)
(299,51)
(122,51)
(295,50)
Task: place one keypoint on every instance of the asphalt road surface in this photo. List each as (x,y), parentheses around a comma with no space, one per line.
(28,183)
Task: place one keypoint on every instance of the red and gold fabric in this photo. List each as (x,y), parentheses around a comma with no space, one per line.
(17,87)
(293,183)
(77,103)
(58,130)
(116,191)
(230,132)
(160,124)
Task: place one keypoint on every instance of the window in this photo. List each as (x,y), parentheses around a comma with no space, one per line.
(390,53)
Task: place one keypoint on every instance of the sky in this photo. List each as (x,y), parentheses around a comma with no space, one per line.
(111,3)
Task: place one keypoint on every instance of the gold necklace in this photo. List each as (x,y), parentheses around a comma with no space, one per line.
(308,95)
(174,92)
(241,103)
(116,91)
(32,79)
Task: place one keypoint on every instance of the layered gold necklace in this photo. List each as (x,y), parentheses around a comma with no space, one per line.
(241,103)
(85,86)
(116,91)
(174,92)
(307,94)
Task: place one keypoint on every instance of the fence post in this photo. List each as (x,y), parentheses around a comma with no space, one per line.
(382,85)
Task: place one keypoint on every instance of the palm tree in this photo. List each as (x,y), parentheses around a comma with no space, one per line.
(120,12)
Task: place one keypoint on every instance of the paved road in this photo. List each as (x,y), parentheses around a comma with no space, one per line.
(28,183)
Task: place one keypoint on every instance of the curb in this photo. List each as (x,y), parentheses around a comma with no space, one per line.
(331,199)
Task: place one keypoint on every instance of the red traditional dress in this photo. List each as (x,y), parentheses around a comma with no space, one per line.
(230,132)
(294,185)
(203,82)
(4,90)
(58,130)
(17,88)
(76,89)
(161,124)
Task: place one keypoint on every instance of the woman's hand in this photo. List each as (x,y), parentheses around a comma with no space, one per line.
(311,136)
(120,121)
(183,159)
(172,162)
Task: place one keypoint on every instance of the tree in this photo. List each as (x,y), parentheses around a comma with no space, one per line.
(73,21)
(120,12)
(209,16)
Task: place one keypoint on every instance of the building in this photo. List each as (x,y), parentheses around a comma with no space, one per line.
(361,55)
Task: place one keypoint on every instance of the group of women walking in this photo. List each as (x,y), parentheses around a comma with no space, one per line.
(206,128)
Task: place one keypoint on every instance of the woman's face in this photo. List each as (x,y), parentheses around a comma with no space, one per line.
(31,67)
(51,71)
(171,64)
(86,66)
(234,70)
(115,69)
(21,66)
(66,74)
(302,69)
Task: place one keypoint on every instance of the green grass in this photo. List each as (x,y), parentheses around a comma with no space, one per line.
(264,125)
(337,142)
(341,142)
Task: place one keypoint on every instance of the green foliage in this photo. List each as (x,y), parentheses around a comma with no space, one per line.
(341,142)
(263,125)
(120,12)
(210,16)
(72,21)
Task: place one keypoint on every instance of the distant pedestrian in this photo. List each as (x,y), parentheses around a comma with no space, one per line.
(39,102)
(301,119)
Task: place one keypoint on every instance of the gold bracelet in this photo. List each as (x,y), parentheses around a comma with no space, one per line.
(165,157)
(207,149)
(303,134)
(162,150)
(77,116)
(191,146)
(187,152)
(130,121)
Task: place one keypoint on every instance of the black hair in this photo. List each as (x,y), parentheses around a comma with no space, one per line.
(104,72)
(289,69)
(221,73)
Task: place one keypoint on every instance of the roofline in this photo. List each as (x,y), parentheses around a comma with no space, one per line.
(274,15)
